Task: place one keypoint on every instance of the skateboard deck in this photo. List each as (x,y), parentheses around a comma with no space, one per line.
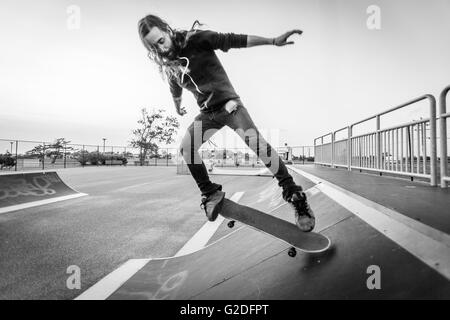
(309,242)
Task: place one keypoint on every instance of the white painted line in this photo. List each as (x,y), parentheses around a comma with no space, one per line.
(314,179)
(113,281)
(110,283)
(134,186)
(418,226)
(242,172)
(201,238)
(10,173)
(40,203)
(312,191)
(425,243)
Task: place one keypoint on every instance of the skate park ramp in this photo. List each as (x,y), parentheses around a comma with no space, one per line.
(246,264)
(24,190)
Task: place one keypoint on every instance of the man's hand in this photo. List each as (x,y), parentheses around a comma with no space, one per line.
(282,40)
(181,111)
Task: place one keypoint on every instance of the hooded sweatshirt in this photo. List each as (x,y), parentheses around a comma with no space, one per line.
(203,73)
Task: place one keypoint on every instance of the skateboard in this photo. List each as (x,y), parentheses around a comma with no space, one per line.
(309,242)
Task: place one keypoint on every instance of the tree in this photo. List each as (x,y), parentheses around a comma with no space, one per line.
(6,160)
(154,128)
(51,150)
(54,150)
(36,151)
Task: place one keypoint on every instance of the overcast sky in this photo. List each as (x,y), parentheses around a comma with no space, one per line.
(88,83)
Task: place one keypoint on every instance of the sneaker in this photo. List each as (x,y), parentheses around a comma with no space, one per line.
(212,204)
(304,216)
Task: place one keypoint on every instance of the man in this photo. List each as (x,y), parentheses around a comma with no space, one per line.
(187,59)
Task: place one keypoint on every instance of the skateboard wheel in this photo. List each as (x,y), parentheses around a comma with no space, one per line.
(231,224)
(292,252)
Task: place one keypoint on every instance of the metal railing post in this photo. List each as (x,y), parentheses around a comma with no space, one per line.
(378,137)
(443,135)
(315,151)
(332,148)
(321,149)
(17,157)
(433,142)
(303,154)
(349,148)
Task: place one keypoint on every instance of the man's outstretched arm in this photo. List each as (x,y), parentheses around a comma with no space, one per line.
(278,41)
(225,41)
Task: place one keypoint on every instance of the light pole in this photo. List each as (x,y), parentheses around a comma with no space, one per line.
(104,139)
(104,156)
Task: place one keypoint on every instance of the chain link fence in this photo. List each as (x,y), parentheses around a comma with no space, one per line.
(22,155)
(246,158)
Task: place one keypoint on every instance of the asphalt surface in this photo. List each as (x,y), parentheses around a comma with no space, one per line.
(249,264)
(150,212)
(130,212)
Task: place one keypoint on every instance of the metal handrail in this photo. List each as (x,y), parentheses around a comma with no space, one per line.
(377,135)
(418,99)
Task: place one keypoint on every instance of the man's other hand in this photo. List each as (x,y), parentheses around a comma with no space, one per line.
(181,111)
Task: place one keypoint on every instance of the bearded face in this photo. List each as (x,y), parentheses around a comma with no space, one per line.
(162,41)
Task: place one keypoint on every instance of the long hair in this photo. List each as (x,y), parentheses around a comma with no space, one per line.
(167,65)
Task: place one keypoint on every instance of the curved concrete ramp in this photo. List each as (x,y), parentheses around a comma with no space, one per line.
(24,190)
(247,264)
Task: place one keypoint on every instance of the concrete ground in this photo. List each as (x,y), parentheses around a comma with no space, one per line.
(147,214)
(130,212)
(411,259)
